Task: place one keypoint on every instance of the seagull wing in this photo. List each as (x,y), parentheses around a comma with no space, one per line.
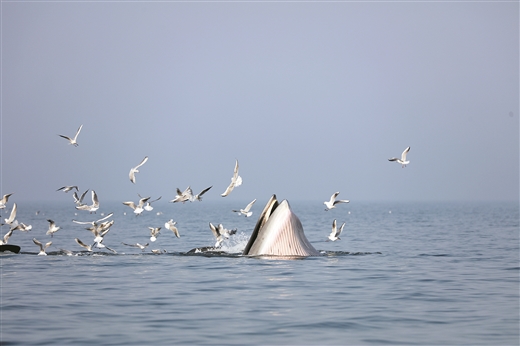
(246,209)
(142,162)
(403,155)
(77,132)
(37,242)
(12,216)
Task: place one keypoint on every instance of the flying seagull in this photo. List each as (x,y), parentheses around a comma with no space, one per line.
(401,160)
(67,188)
(142,247)
(236,181)
(4,200)
(135,169)
(183,196)
(82,244)
(73,141)
(245,211)
(334,234)
(198,197)
(91,208)
(138,209)
(171,226)
(330,204)
(52,228)
(221,233)
(154,233)
(42,247)
(148,205)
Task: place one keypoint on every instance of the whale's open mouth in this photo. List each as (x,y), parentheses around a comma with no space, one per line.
(278,232)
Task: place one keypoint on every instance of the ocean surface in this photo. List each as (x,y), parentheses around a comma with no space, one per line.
(402,273)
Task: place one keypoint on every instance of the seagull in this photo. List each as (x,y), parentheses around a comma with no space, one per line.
(148,205)
(98,228)
(236,181)
(154,233)
(22,227)
(6,237)
(402,160)
(198,197)
(90,208)
(135,169)
(11,220)
(157,251)
(42,247)
(171,226)
(334,235)
(142,247)
(52,228)
(79,201)
(330,204)
(67,188)
(245,211)
(67,252)
(138,209)
(73,141)
(82,244)
(4,199)
(183,196)
(221,233)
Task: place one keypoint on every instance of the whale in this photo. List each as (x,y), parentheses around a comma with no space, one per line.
(279,232)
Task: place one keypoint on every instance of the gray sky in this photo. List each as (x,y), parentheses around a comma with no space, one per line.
(310,97)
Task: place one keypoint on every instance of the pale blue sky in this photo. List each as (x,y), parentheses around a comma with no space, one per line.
(310,97)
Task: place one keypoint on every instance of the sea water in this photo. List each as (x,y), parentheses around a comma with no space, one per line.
(402,273)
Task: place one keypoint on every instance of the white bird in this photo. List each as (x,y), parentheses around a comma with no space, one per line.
(236,180)
(171,226)
(154,233)
(148,205)
(330,204)
(135,170)
(183,196)
(401,160)
(90,208)
(67,188)
(73,141)
(6,237)
(22,227)
(82,244)
(4,200)
(334,234)
(246,211)
(138,209)
(198,197)
(42,247)
(11,220)
(221,233)
(142,247)
(52,228)
(79,201)
(157,251)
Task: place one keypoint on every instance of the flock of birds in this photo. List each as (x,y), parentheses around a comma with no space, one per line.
(101,227)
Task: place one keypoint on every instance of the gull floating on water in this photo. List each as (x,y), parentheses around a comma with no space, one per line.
(134,170)
(73,141)
(67,188)
(334,234)
(236,181)
(401,160)
(42,247)
(138,209)
(171,226)
(52,228)
(4,200)
(330,204)
(246,211)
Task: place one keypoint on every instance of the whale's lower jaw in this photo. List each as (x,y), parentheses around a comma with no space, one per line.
(279,232)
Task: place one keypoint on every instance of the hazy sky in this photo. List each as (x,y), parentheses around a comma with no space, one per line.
(310,97)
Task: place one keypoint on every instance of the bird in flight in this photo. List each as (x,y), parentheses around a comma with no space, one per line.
(73,141)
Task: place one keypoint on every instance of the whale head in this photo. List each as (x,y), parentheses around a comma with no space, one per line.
(279,232)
